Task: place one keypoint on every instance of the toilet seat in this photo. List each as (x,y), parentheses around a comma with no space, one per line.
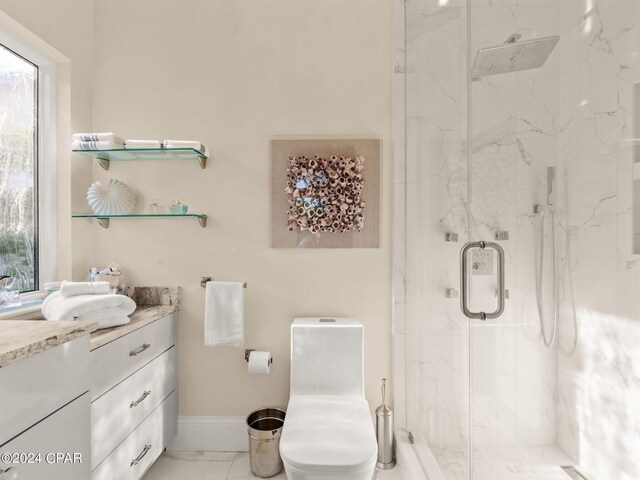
(328,435)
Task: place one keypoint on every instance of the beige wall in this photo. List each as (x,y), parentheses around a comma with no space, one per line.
(59,29)
(231,74)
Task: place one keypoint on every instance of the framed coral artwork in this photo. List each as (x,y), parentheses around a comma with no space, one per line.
(325,192)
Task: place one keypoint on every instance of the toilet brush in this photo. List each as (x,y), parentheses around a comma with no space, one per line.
(384,432)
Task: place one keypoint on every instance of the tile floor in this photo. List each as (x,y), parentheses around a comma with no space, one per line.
(217,466)
(504,463)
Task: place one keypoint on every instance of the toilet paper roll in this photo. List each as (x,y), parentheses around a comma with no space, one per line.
(259,363)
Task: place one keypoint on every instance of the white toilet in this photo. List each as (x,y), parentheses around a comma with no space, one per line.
(328,432)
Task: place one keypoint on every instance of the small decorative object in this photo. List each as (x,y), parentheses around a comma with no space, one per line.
(112,274)
(325,192)
(155,206)
(9,293)
(179,207)
(116,198)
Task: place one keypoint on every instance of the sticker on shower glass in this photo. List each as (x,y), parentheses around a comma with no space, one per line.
(482,261)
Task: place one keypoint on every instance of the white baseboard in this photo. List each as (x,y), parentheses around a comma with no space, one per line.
(211,434)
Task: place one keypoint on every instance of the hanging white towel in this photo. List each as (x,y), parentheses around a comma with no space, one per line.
(224,314)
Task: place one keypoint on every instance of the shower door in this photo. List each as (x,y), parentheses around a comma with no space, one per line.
(437,333)
(480,384)
(513,141)
(534,149)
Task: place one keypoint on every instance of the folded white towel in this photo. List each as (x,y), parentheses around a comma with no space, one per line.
(87,307)
(128,143)
(69,289)
(97,145)
(224,314)
(184,144)
(97,137)
(101,314)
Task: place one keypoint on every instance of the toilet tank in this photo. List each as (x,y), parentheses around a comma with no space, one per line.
(327,356)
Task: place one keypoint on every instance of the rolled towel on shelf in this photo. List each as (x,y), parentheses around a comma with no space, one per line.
(97,137)
(70,289)
(132,144)
(97,308)
(224,314)
(184,144)
(96,145)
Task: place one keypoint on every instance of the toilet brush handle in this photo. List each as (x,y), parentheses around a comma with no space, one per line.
(384,390)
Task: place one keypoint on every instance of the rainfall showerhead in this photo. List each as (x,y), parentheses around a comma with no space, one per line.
(513,56)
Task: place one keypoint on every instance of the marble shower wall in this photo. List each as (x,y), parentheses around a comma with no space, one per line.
(515,138)
(599,367)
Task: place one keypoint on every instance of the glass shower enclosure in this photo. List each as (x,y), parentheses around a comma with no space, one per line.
(517,280)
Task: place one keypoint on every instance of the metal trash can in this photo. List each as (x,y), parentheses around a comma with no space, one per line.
(265,427)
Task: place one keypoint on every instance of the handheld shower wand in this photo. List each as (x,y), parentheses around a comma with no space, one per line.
(551,186)
(548,210)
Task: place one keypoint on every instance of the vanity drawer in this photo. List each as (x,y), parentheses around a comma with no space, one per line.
(65,431)
(61,372)
(115,361)
(116,413)
(145,444)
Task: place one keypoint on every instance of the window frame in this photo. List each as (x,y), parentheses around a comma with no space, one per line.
(46,173)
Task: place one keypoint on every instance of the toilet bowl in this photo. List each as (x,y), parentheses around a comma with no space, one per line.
(328,432)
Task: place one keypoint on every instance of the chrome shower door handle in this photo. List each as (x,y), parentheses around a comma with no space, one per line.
(464,280)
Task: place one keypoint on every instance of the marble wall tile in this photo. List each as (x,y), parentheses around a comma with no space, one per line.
(536,427)
(600,282)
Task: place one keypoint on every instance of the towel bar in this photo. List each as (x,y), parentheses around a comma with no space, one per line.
(204,280)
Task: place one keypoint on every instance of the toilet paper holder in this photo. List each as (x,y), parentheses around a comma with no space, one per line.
(248,351)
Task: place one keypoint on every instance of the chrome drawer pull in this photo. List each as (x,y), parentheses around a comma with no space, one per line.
(144,451)
(137,402)
(137,351)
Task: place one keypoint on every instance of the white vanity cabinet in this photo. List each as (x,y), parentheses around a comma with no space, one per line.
(44,415)
(134,407)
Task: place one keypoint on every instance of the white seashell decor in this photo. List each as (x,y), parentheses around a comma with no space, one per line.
(116,198)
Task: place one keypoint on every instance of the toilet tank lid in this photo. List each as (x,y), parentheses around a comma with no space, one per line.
(325,322)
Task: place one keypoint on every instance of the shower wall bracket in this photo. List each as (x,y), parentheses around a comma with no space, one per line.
(451,237)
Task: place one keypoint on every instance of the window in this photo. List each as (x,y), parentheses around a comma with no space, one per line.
(19,170)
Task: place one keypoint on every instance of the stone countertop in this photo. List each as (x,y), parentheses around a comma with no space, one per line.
(20,339)
(144,315)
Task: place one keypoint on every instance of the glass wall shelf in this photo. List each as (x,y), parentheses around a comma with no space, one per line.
(105,157)
(103,220)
